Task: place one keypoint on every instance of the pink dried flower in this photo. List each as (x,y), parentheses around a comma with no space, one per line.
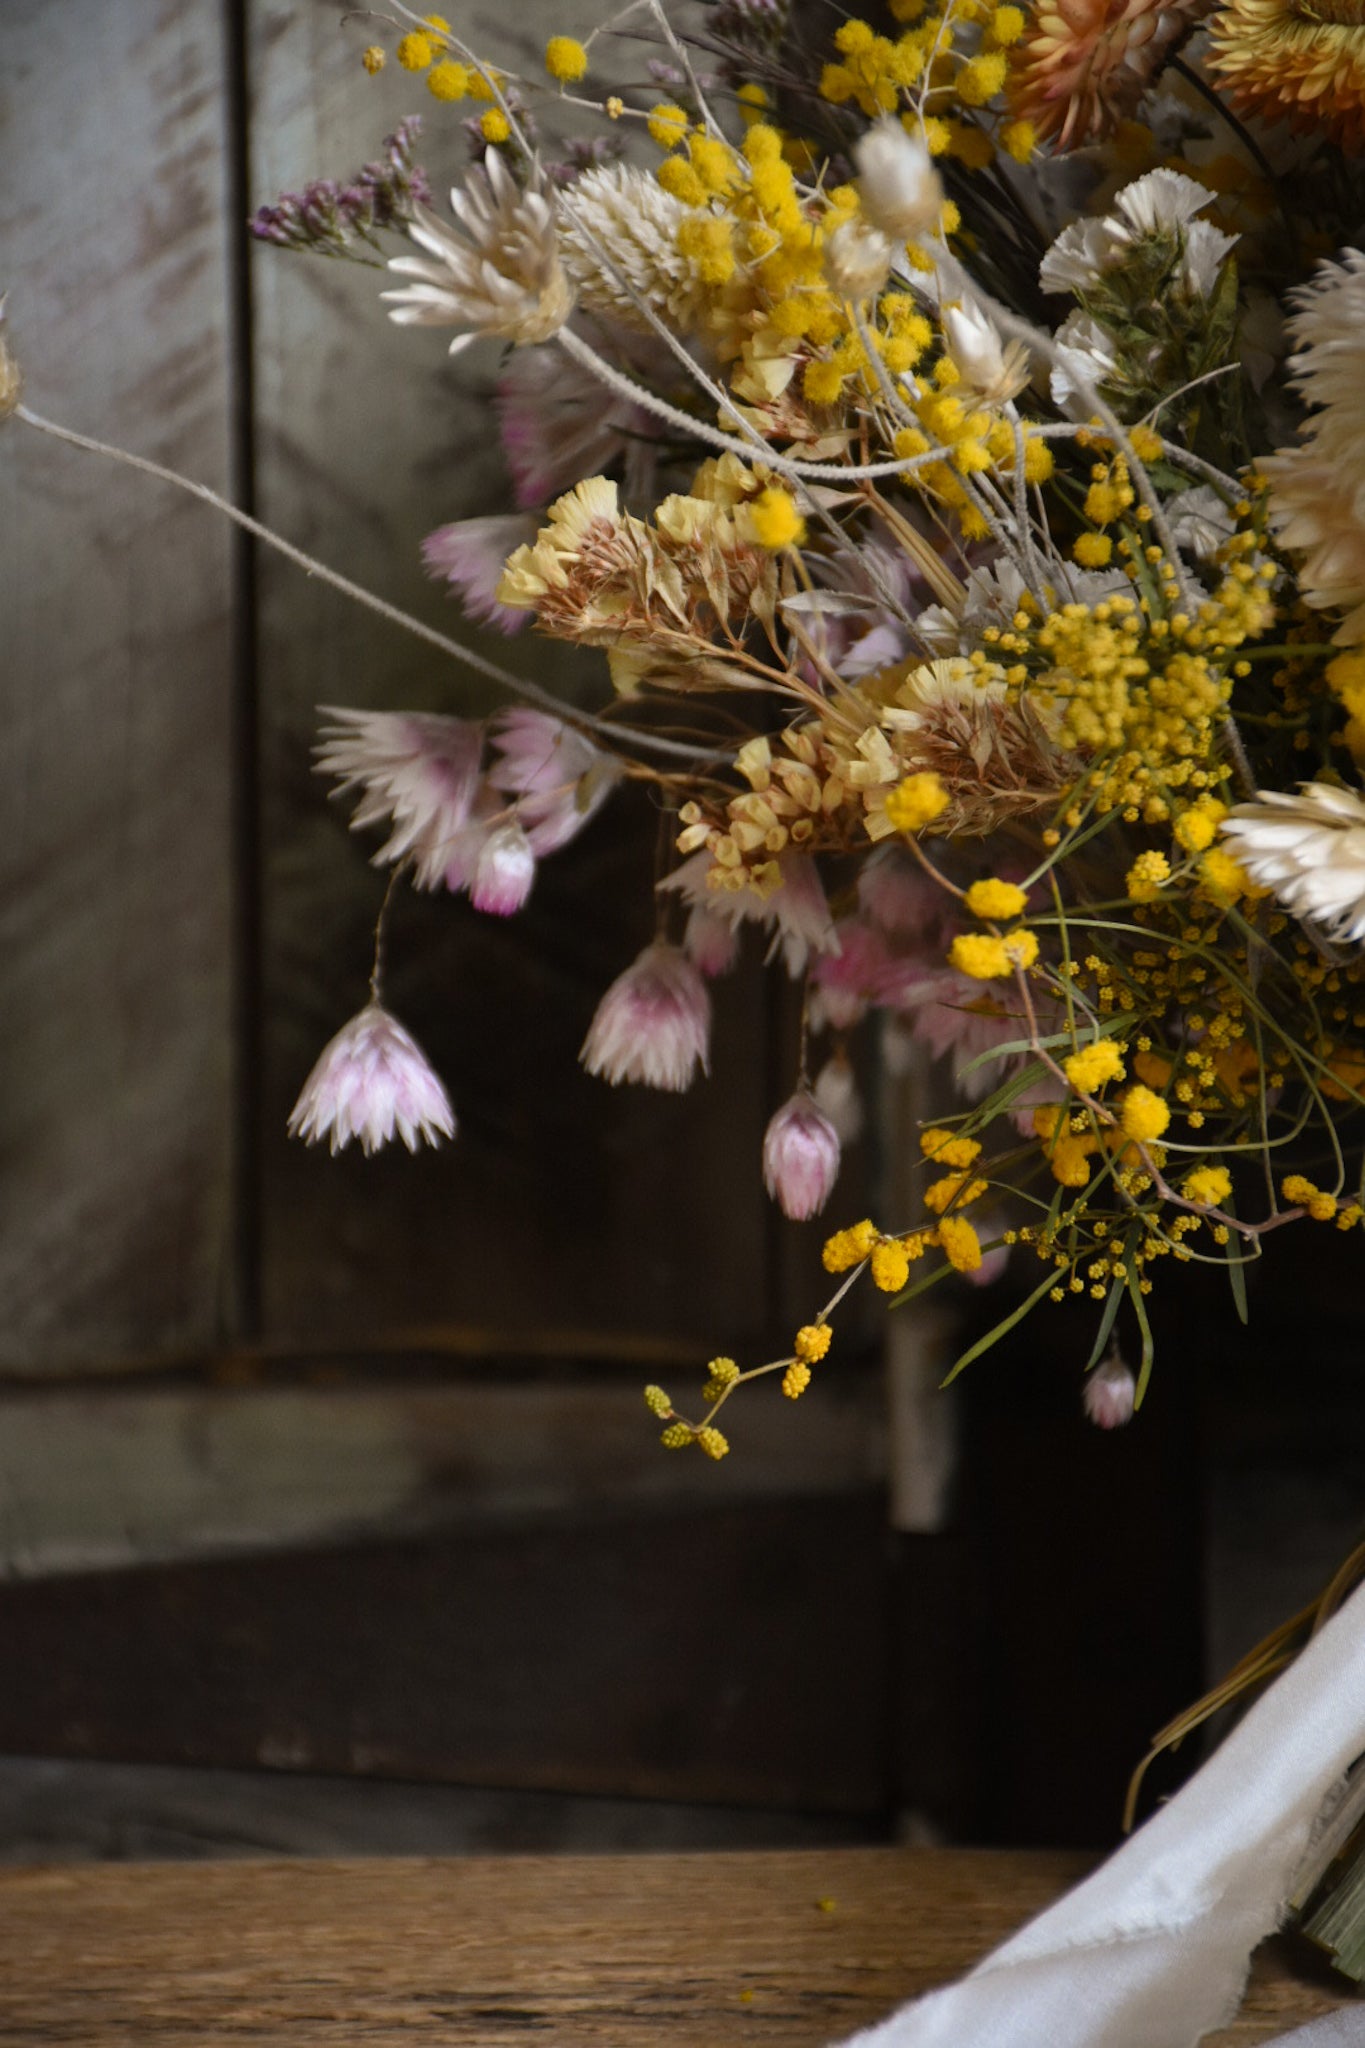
(800,1157)
(561,778)
(711,942)
(558,424)
(417,769)
(1110,1393)
(797,910)
(370,1081)
(653,1024)
(504,871)
(897,895)
(470,554)
(844,983)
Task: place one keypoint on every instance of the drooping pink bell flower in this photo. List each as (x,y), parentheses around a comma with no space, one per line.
(1110,1393)
(372,1081)
(653,1025)
(503,872)
(800,1157)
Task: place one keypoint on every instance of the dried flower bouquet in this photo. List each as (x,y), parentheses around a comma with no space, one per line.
(951,430)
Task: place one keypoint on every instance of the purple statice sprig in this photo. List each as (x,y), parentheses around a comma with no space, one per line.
(348,220)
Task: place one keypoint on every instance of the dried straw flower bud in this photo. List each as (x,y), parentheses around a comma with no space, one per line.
(1110,1394)
(504,871)
(800,1157)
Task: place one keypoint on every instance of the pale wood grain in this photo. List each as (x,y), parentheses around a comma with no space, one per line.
(797,1949)
(115,601)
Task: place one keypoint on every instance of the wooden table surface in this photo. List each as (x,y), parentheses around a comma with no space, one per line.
(794,1950)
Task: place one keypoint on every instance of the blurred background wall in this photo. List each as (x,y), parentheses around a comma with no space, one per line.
(335,1473)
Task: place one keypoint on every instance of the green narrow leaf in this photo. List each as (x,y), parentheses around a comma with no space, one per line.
(1237,1279)
(1111,1309)
(1140,1310)
(1002,1329)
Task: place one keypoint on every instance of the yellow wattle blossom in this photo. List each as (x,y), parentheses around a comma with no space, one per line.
(448,80)
(657,1401)
(1089,1069)
(777,523)
(812,1342)
(1208,1185)
(712,1442)
(1143,1115)
(415,51)
(996,900)
(1296,1189)
(916,802)
(960,1244)
(849,1247)
(795,1380)
(565,59)
(1197,828)
(373,59)
(667,125)
(985,957)
(959,1188)
(1147,876)
(1222,875)
(677,1437)
(946,1148)
(494,125)
(890,1266)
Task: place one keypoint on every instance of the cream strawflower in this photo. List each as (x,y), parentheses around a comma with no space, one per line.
(503,276)
(371,1081)
(1317,491)
(418,770)
(619,237)
(1309,850)
(653,1025)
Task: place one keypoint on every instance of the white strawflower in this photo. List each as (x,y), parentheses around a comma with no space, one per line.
(503,276)
(1080,256)
(653,1025)
(417,769)
(1085,358)
(989,367)
(1317,491)
(618,235)
(1159,201)
(1309,850)
(800,1157)
(371,1081)
(899,188)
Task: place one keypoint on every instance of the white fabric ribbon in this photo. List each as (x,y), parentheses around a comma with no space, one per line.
(1152,1950)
